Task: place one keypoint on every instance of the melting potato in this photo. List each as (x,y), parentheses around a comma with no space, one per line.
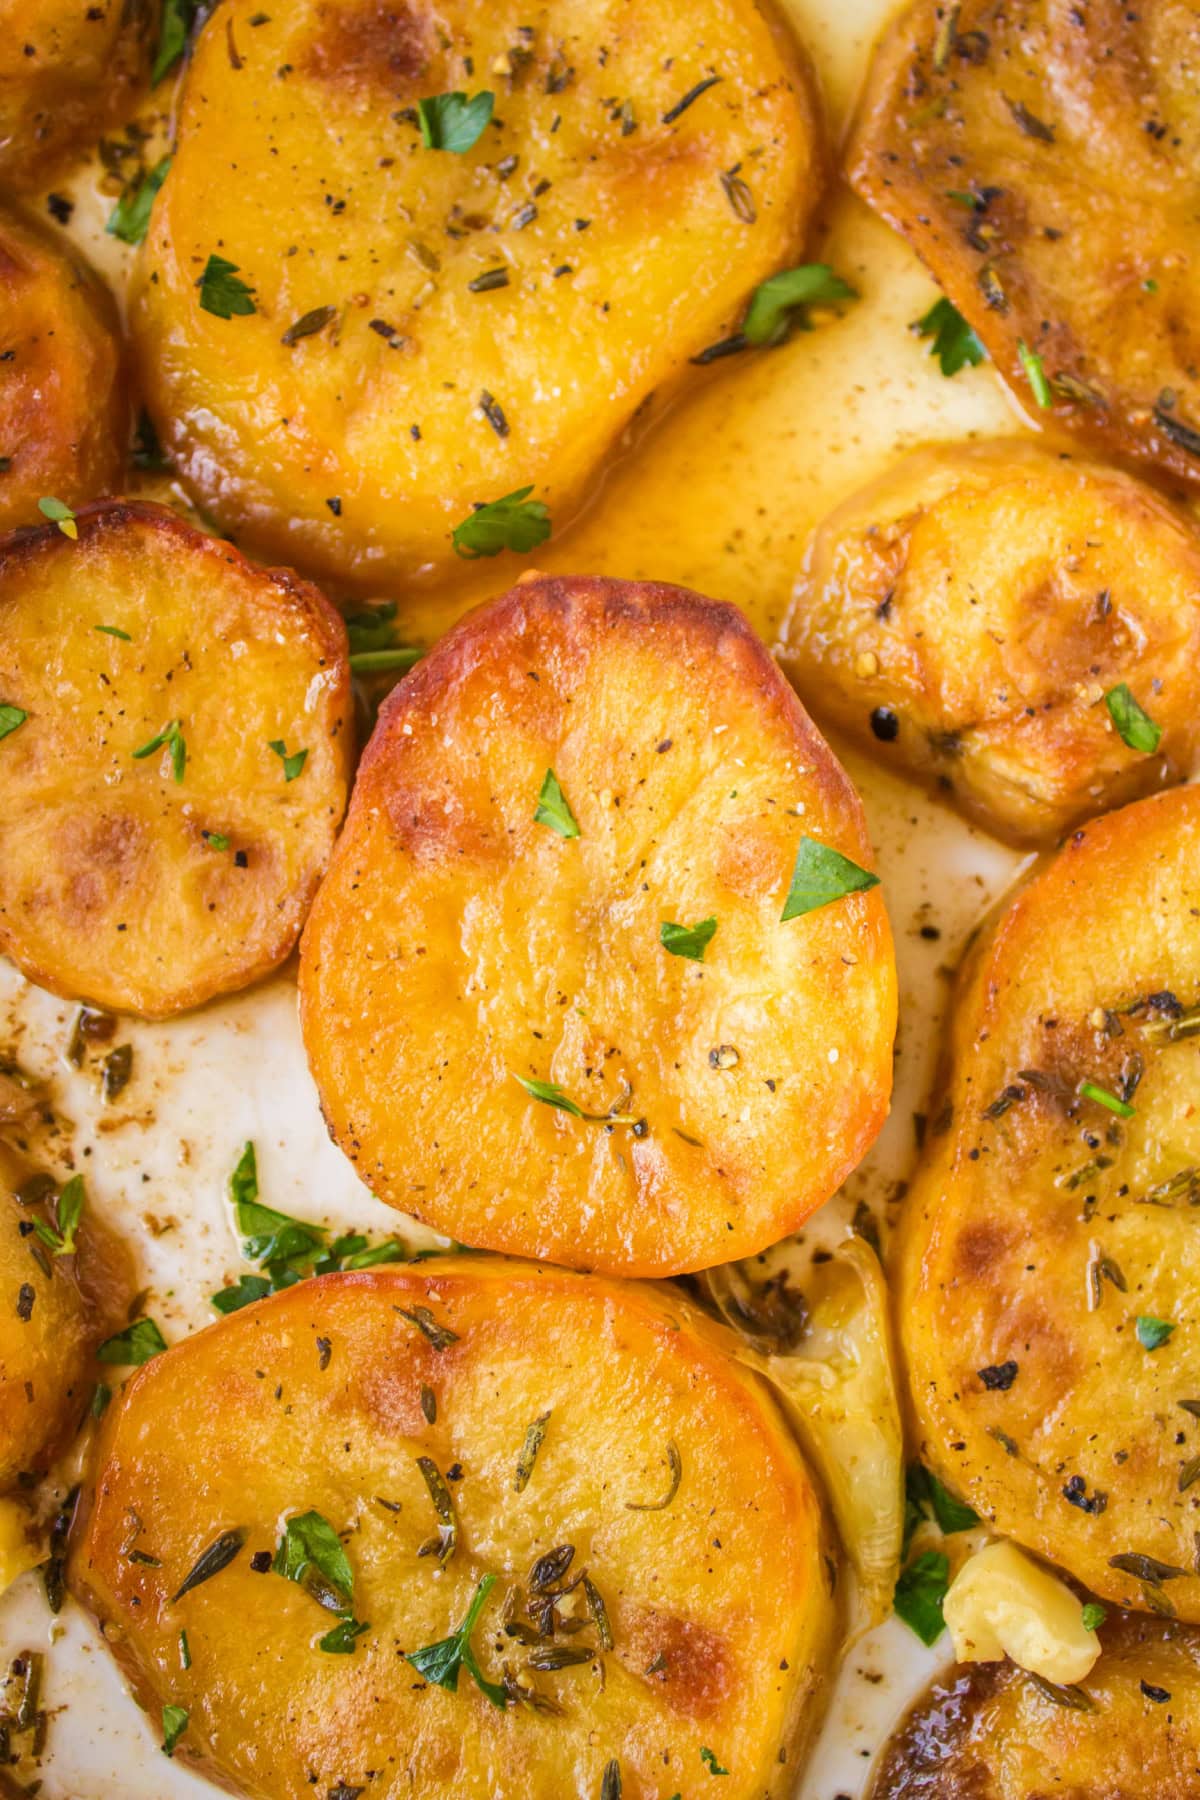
(968,613)
(661,1595)
(1049,1297)
(1132,1732)
(511,1038)
(1042,160)
(430,328)
(68,68)
(174,758)
(63,412)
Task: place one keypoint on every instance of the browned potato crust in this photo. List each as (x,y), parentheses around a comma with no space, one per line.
(716,1589)
(458,946)
(1042,160)
(376,395)
(68,68)
(966,614)
(1048,1297)
(64,414)
(987,1731)
(119,882)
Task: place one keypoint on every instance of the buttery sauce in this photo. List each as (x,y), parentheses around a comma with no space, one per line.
(718,494)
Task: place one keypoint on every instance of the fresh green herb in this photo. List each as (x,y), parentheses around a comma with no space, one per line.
(177,19)
(1031,362)
(1153,1333)
(927,1498)
(101,1395)
(781,303)
(371,629)
(452,122)
(954,343)
(308,325)
(212,1559)
(129,219)
(708,1758)
(172,737)
(675,1463)
(222,291)
(185,1654)
(146,451)
(445,1543)
(1094,1615)
(919,1594)
(611,1785)
(340,1640)
(292,764)
(1090,1090)
(310,1553)
(244,1292)
(1134,726)
(514,522)
(11,718)
(550,1094)
(133,1346)
(60,514)
(440,1336)
(68,1213)
(821,875)
(114,631)
(215,840)
(383,662)
(687,940)
(554,809)
(174,1721)
(439,1663)
(529,1450)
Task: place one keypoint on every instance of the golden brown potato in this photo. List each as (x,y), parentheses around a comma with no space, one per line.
(175,782)
(68,69)
(435,329)
(503,1045)
(1041,159)
(64,415)
(991,1732)
(1049,1295)
(559,1419)
(967,614)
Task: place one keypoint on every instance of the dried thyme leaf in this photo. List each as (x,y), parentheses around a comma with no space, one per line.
(219,1554)
(675,1462)
(446,1541)
(440,1336)
(529,1450)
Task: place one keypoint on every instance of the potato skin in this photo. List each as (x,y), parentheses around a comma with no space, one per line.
(457,944)
(1072,135)
(109,889)
(249,1422)
(623,251)
(68,69)
(979,601)
(64,410)
(986,1732)
(1039,1229)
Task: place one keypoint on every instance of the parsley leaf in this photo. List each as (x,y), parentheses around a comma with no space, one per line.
(147,452)
(11,718)
(452,122)
(687,940)
(222,291)
(114,631)
(371,629)
(919,1593)
(1134,726)
(821,875)
(1094,1615)
(68,1212)
(244,1292)
(1153,1333)
(1091,1090)
(439,1663)
(174,1723)
(173,35)
(293,764)
(550,1094)
(927,1497)
(554,809)
(60,514)
(172,736)
(780,303)
(310,1553)
(1031,362)
(340,1640)
(129,219)
(954,343)
(708,1758)
(514,522)
(268,1236)
(137,1344)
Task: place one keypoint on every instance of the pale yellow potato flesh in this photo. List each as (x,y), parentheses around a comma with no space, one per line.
(1046,1233)
(119,883)
(68,69)
(966,614)
(719,1602)
(458,947)
(629,241)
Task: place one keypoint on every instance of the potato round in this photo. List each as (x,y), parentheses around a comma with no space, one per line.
(68,68)
(119,882)
(64,416)
(989,1732)
(435,329)
(1042,161)
(966,614)
(1049,1293)
(459,947)
(718,1602)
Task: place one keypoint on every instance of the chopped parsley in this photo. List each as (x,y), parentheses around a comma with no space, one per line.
(1153,1333)
(1134,726)
(67,1215)
(177,20)
(171,736)
(174,1723)
(11,718)
(708,1758)
(60,514)
(293,764)
(216,840)
(383,662)
(340,1640)
(1031,362)
(137,1344)
(925,1497)
(821,875)
(781,303)
(554,809)
(440,1663)
(514,522)
(550,1094)
(1091,1090)
(954,343)
(1094,1615)
(452,122)
(687,940)
(919,1593)
(129,219)
(310,1553)
(222,291)
(114,631)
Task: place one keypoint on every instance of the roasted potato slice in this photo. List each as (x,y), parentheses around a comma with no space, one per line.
(64,418)
(176,776)
(503,1045)
(993,1732)
(968,613)
(662,1597)
(1042,160)
(68,69)
(432,328)
(1049,1292)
